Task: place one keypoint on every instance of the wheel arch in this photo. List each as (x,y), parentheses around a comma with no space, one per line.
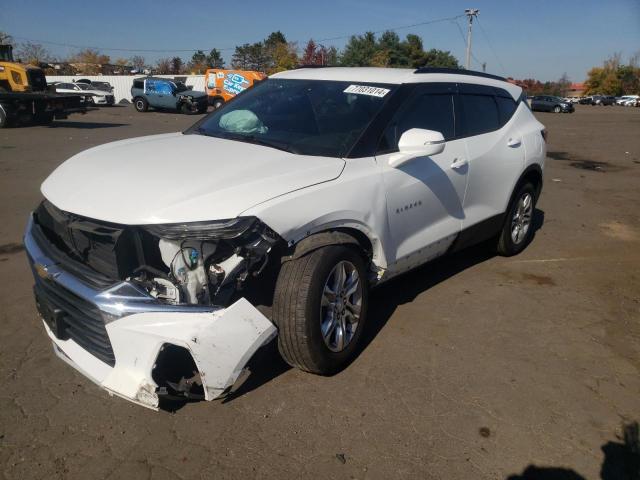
(331,236)
(533,174)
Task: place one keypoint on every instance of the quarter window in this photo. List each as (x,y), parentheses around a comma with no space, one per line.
(506,109)
(479,113)
(430,112)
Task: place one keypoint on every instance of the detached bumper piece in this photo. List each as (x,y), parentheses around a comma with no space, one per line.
(136,347)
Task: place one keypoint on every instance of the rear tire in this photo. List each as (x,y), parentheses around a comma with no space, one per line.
(217,103)
(311,297)
(517,230)
(3,118)
(140,104)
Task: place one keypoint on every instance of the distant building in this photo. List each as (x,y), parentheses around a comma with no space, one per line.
(576,90)
(518,83)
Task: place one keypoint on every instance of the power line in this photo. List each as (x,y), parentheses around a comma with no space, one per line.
(428,22)
(183,50)
(486,37)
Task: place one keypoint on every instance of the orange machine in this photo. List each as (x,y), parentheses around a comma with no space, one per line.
(223,85)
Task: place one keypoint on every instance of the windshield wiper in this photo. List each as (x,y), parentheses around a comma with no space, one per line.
(285,147)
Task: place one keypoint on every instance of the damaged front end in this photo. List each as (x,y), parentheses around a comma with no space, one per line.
(157,310)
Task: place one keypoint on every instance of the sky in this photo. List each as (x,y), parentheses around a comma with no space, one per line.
(535,39)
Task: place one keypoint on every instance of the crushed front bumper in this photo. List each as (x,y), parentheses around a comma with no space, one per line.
(115,335)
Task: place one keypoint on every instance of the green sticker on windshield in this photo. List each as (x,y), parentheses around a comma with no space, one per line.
(367,90)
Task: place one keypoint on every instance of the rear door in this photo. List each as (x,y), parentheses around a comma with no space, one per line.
(494,148)
(424,196)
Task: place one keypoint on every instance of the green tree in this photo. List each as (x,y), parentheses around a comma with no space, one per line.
(177,66)
(199,57)
(437,58)
(250,57)
(359,51)
(393,49)
(214,59)
(274,39)
(198,63)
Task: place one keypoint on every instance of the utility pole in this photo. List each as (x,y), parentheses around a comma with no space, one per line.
(470,13)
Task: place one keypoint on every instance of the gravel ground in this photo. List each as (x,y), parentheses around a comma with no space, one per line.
(475,366)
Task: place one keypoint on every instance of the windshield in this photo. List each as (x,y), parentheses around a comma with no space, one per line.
(180,87)
(309,117)
(83,86)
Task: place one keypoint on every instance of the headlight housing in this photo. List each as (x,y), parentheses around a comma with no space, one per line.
(214,230)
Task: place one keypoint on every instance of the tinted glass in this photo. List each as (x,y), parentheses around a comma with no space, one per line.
(479,114)
(310,117)
(138,84)
(430,112)
(506,109)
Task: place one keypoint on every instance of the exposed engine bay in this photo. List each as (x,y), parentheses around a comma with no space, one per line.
(202,263)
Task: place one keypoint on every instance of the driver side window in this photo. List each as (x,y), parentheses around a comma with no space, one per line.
(431,111)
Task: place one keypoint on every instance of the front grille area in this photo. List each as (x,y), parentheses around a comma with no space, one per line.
(107,249)
(81,320)
(37,80)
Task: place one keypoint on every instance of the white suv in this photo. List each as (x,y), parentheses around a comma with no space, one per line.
(163,263)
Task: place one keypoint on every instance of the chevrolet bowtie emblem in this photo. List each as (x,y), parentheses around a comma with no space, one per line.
(44,273)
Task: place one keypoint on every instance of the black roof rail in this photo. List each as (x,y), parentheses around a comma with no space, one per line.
(458,71)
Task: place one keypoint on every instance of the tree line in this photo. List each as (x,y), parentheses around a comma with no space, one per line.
(273,54)
(615,77)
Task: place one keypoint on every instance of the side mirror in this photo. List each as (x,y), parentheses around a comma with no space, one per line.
(417,142)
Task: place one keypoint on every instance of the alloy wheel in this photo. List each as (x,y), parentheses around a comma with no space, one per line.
(340,306)
(521,221)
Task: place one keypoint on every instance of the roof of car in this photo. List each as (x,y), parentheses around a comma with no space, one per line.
(398,76)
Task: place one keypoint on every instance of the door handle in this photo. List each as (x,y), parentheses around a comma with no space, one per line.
(514,142)
(459,163)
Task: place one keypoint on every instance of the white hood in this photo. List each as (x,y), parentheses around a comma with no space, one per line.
(175,178)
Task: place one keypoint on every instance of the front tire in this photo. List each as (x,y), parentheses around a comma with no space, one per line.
(141,104)
(517,230)
(557,109)
(3,118)
(320,308)
(186,109)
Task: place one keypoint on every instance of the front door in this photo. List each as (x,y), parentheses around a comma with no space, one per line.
(425,196)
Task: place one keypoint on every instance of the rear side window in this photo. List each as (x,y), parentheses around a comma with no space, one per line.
(428,111)
(138,84)
(479,114)
(506,109)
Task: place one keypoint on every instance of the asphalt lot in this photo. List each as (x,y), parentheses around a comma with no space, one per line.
(475,366)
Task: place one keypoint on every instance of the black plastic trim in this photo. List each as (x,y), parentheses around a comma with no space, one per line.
(481,231)
(455,71)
